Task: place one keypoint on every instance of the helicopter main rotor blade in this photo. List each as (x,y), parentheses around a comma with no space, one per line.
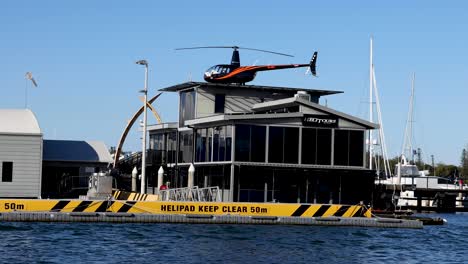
(235,48)
(210,47)
(267,51)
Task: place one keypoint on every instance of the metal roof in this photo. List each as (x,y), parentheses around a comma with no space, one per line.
(275,105)
(163,126)
(297,100)
(288,90)
(18,121)
(76,151)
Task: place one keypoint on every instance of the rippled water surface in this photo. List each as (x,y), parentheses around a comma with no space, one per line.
(182,243)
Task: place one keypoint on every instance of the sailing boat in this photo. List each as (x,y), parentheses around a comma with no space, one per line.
(376,156)
(408,179)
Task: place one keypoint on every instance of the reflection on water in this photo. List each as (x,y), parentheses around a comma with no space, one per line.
(152,243)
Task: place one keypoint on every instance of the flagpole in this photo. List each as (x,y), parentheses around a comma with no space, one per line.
(26,95)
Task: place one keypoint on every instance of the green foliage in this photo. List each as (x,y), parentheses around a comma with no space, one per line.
(464,164)
(444,170)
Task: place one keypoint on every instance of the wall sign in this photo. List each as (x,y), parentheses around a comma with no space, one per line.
(319,121)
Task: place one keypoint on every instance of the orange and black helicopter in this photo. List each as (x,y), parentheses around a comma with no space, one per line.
(235,73)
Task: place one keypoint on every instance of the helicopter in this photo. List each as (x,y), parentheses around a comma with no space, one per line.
(235,73)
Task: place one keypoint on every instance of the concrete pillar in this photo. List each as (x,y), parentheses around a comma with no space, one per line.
(134,179)
(160,177)
(265,193)
(191,176)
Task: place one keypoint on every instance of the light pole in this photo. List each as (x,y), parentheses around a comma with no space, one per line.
(143,153)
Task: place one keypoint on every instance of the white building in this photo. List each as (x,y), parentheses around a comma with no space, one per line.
(20,154)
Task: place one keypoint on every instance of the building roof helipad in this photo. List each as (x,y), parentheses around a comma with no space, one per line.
(188,85)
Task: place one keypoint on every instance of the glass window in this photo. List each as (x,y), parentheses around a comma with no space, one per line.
(201,139)
(209,141)
(341,148)
(309,146)
(219,143)
(250,143)
(219,103)
(349,148)
(257,143)
(7,171)
(187,107)
(356,148)
(324,146)
(228,142)
(185,147)
(291,145)
(157,148)
(217,140)
(275,144)
(283,145)
(171,147)
(242,143)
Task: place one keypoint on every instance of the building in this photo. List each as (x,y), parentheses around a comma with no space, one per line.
(67,165)
(263,144)
(20,154)
(31,167)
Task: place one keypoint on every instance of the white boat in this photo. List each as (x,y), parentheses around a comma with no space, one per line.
(409,179)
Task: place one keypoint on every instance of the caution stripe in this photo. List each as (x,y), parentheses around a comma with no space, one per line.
(343,209)
(59,206)
(321,211)
(103,207)
(134,196)
(299,211)
(126,206)
(82,206)
(315,210)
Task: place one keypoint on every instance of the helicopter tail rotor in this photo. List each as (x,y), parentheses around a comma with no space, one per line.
(313,62)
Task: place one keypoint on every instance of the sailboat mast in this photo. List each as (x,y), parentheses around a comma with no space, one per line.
(408,139)
(371,117)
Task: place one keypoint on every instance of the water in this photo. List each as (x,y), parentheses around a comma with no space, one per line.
(182,243)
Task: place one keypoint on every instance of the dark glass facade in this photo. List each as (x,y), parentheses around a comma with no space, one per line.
(250,143)
(213,144)
(349,148)
(298,185)
(163,147)
(219,103)
(316,146)
(187,106)
(283,145)
(185,147)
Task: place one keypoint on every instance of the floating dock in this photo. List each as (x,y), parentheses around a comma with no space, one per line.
(125,211)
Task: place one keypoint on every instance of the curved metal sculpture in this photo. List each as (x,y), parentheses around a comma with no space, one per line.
(130,124)
(156,115)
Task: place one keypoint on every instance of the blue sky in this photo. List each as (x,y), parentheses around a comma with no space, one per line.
(82,55)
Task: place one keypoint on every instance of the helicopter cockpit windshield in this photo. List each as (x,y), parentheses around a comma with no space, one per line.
(217,70)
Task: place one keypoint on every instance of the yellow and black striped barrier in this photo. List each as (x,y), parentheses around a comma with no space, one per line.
(134,196)
(186,208)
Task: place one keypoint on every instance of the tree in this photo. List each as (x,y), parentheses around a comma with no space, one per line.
(444,170)
(464,164)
